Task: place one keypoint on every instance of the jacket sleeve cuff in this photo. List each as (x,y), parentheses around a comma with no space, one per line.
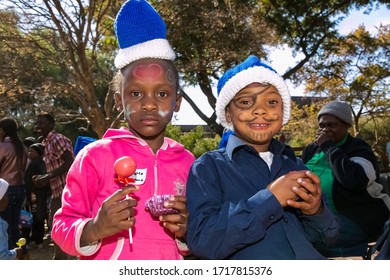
(183,247)
(88,249)
(270,213)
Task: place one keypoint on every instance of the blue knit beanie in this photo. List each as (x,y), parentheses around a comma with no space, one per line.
(252,70)
(141,33)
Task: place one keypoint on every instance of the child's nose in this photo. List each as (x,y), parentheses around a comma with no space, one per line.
(259,109)
(149,103)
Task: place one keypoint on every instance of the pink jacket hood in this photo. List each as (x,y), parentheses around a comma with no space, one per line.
(91,179)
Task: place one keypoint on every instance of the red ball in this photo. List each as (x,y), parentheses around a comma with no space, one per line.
(125,166)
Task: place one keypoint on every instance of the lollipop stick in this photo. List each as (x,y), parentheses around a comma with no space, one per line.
(130,232)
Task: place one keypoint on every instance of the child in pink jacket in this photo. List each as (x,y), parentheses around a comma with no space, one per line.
(101,218)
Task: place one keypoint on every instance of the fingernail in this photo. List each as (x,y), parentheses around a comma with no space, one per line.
(166,204)
(300,180)
(295,188)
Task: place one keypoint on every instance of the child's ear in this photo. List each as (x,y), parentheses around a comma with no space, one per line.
(228,115)
(179,98)
(118,102)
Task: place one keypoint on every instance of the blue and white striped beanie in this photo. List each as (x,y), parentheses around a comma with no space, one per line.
(141,33)
(252,70)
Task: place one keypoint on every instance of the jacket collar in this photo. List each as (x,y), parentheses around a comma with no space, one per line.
(124,134)
(276,147)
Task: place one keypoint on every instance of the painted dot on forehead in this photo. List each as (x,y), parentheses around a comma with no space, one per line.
(147,71)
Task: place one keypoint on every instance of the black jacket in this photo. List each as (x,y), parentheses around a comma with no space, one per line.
(350,182)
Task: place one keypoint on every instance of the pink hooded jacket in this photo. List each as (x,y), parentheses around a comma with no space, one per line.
(91,180)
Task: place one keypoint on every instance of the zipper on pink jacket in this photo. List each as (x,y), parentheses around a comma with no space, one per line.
(155,173)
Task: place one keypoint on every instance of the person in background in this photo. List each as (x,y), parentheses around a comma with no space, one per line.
(101,218)
(5,253)
(28,141)
(25,229)
(13,163)
(255,199)
(38,196)
(349,175)
(58,158)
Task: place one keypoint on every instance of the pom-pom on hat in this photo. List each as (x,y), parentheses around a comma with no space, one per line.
(3,187)
(338,109)
(252,70)
(141,33)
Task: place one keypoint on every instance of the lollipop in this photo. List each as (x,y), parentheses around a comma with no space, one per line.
(125,167)
(21,242)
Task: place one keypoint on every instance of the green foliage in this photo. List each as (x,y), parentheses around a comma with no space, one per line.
(206,144)
(173,131)
(358,72)
(376,133)
(190,139)
(194,140)
(302,127)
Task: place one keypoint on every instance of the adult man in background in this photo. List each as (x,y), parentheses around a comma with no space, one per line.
(349,175)
(58,158)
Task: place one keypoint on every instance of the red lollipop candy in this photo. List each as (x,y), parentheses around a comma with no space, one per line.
(125,166)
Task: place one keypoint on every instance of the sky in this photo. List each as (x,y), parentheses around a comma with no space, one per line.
(281,59)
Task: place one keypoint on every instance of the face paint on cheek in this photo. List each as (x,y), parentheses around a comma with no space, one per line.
(147,72)
(127,112)
(241,117)
(163,113)
(273,117)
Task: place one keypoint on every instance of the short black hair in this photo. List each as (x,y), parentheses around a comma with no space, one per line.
(47,116)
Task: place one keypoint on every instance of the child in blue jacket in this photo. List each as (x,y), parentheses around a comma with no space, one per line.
(254,199)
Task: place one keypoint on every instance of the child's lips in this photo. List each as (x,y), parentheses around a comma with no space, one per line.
(149,121)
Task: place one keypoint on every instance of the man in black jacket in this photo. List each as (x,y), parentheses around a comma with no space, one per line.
(349,175)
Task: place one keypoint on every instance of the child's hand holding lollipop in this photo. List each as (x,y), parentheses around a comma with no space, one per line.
(125,167)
